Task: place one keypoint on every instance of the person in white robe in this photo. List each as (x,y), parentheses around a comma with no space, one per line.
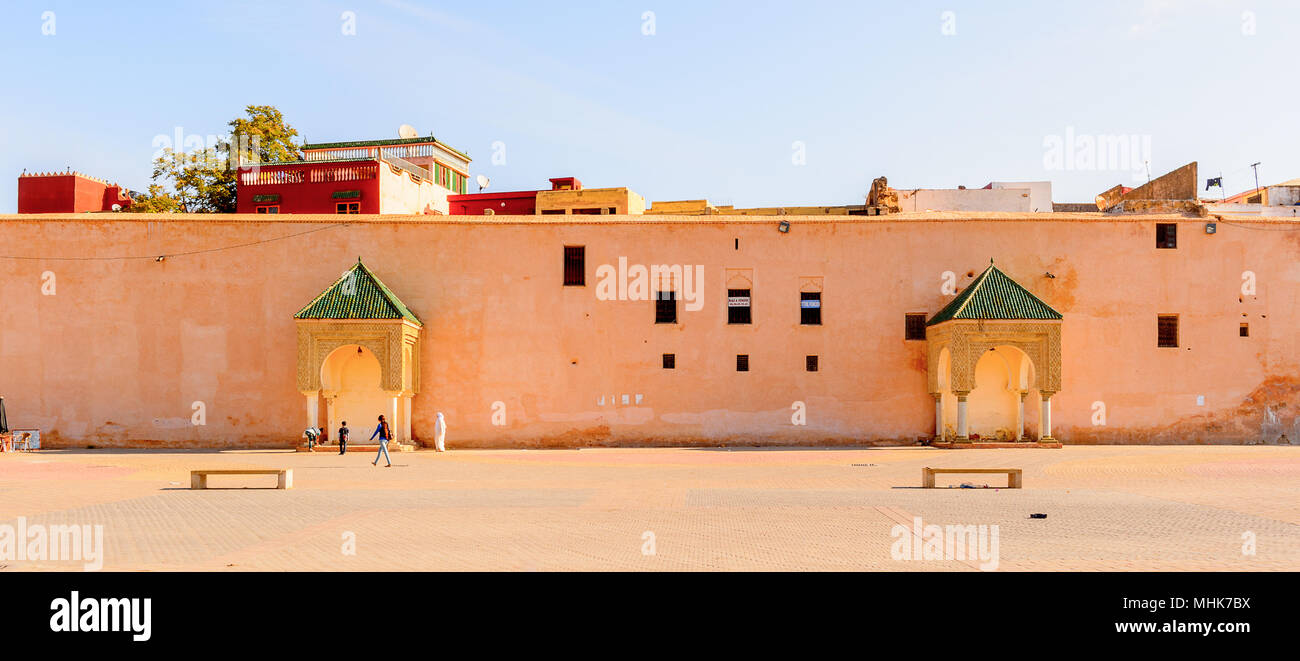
(440,433)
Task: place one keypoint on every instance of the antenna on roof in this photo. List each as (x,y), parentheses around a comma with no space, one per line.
(482,181)
(406,132)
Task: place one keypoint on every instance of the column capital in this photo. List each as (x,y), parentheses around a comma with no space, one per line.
(961,394)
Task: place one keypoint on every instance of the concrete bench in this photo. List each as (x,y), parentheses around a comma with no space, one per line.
(199,479)
(1014,478)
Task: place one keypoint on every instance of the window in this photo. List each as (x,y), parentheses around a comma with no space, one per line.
(666,307)
(1167,333)
(810,363)
(1166,235)
(575,266)
(670,361)
(915,329)
(738,311)
(810,308)
(1244,331)
(347,207)
(271,209)
(742,363)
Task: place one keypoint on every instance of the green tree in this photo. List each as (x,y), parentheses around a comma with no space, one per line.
(205,181)
(156,200)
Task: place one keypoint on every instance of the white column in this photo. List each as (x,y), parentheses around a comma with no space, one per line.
(1020,416)
(1045,422)
(313,408)
(961,417)
(406,417)
(394,418)
(938,416)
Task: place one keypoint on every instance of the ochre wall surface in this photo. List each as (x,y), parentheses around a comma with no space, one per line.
(122,349)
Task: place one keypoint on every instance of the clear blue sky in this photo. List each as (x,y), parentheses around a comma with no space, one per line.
(709,106)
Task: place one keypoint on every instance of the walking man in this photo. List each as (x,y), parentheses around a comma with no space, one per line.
(344,433)
(385,434)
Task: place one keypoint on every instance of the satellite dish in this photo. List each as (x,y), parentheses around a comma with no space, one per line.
(483,181)
(407,131)
(117,207)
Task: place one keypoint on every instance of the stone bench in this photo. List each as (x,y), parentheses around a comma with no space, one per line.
(199,478)
(1014,478)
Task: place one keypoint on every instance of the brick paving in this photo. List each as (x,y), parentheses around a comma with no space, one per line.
(1109,508)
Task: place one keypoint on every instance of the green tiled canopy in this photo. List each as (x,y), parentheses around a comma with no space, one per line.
(358,294)
(994,295)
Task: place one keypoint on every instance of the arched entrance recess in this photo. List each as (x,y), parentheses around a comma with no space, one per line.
(359,347)
(986,351)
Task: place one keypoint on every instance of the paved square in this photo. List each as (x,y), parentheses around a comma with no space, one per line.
(1108,507)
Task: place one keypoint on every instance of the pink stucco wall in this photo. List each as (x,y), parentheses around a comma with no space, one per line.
(121,350)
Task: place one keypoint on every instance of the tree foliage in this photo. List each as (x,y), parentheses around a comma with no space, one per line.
(205,180)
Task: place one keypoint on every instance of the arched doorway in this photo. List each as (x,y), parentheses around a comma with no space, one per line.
(1003,377)
(351,382)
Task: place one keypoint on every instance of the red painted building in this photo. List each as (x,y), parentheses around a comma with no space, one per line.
(402,176)
(512,203)
(68,192)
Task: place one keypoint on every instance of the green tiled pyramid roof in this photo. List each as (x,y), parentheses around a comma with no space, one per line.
(358,294)
(994,295)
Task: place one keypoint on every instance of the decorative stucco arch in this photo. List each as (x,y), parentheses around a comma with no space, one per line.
(994,311)
(359,310)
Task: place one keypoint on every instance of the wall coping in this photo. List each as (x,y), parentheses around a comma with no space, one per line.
(666,219)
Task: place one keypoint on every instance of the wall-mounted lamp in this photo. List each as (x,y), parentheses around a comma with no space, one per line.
(1049,274)
(1211,228)
(784,227)
(160,258)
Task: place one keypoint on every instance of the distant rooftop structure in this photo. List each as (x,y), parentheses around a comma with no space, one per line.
(1021,196)
(1172,192)
(68,192)
(567,196)
(404,175)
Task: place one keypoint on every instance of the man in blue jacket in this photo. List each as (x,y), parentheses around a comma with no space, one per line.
(385,434)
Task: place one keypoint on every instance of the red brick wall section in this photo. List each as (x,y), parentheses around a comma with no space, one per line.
(316,198)
(67,193)
(517,203)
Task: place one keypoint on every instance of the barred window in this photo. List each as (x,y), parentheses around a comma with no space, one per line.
(810,363)
(1167,331)
(742,363)
(666,307)
(810,308)
(575,266)
(1166,235)
(915,327)
(670,361)
(738,306)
